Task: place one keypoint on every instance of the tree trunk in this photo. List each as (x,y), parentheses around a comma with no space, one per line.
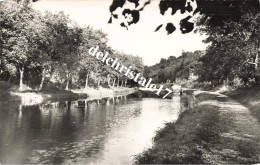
(68,81)
(43,78)
(68,104)
(86,84)
(98,82)
(125,82)
(21,70)
(257,77)
(117,82)
(114,81)
(9,79)
(67,85)
(108,81)
(51,71)
(122,83)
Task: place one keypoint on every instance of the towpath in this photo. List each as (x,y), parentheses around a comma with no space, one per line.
(241,141)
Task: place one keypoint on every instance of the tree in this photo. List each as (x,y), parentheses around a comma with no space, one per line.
(18,36)
(174,67)
(234,47)
(52,45)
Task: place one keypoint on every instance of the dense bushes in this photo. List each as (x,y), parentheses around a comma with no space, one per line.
(52,87)
(197,85)
(202,85)
(4,86)
(174,69)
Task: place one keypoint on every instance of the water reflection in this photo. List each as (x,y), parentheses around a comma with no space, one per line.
(110,130)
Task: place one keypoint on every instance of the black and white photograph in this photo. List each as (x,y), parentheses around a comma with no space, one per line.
(129,82)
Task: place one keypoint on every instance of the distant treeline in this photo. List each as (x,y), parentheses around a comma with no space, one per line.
(43,50)
(172,68)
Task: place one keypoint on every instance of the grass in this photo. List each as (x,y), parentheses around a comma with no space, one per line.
(30,96)
(250,97)
(205,134)
(204,97)
(188,139)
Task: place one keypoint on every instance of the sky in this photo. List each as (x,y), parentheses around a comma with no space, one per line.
(140,39)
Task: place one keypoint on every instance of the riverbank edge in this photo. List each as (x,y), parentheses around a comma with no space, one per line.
(196,137)
(34,97)
(248,96)
(183,141)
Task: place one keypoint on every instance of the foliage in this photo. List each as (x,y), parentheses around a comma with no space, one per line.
(234,51)
(198,85)
(55,47)
(4,86)
(172,68)
(214,12)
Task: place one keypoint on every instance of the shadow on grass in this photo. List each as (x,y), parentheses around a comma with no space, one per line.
(205,97)
(200,135)
(248,96)
(185,141)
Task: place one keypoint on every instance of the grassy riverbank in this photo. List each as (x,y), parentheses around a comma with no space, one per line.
(31,97)
(185,140)
(207,133)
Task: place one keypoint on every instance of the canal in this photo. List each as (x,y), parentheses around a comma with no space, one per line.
(109,131)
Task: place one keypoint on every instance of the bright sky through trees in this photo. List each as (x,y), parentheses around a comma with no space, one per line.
(140,39)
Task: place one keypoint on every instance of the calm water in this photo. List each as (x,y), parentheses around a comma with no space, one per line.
(104,132)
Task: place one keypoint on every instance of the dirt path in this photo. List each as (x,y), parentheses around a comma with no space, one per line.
(240,140)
